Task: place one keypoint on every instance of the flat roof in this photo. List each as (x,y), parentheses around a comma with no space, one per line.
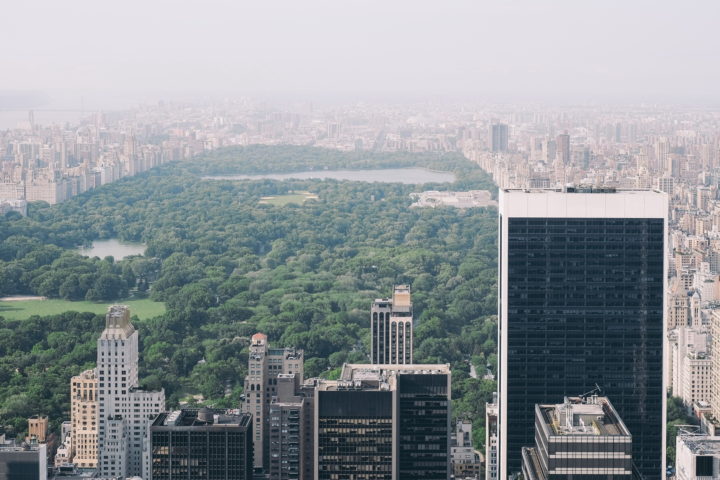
(701,444)
(191,418)
(555,203)
(594,416)
(360,376)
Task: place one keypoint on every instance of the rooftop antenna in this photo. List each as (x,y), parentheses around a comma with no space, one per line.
(594,392)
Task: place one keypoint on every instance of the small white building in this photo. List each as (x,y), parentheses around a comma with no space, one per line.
(697,457)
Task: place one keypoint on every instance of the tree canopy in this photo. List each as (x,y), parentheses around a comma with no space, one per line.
(228,266)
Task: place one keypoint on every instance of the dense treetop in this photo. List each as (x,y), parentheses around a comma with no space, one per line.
(227,266)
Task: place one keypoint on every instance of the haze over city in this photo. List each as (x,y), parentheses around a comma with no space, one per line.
(119,53)
(369,240)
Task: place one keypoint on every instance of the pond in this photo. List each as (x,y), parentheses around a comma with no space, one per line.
(386,175)
(112,247)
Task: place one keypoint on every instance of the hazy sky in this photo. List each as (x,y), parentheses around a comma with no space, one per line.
(575,49)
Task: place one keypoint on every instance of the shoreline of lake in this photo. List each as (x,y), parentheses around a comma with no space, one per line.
(408,176)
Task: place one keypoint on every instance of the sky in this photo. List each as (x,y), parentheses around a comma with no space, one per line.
(561,50)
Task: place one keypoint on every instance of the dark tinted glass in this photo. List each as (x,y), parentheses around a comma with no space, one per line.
(585,306)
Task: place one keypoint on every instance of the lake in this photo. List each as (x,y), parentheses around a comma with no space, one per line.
(113,247)
(385,175)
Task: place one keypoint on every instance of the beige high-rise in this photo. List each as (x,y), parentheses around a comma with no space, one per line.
(83,416)
(391,328)
(38,427)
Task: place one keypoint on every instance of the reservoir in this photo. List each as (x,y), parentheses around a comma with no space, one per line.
(112,247)
(385,175)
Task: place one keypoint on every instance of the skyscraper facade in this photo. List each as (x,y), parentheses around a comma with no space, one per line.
(383,422)
(581,303)
(202,444)
(290,427)
(84,418)
(563,148)
(491,440)
(498,137)
(265,364)
(124,411)
(391,328)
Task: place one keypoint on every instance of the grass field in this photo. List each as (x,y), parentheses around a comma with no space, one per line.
(281,200)
(143,308)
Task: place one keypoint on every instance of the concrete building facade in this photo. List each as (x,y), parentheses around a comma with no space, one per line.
(265,364)
(84,419)
(391,328)
(124,411)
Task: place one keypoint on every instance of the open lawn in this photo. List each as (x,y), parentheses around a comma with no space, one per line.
(143,308)
(281,200)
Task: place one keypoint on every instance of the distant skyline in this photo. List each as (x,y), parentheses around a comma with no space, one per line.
(556,51)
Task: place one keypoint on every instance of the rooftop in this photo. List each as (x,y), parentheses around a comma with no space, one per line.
(379,376)
(594,416)
(203,417)
(701,444)
(583,203)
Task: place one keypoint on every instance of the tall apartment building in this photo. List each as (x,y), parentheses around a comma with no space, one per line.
(84,419)
(290,430)
(679,314)
(265,364)
(582,277)
(498,140)
(563,148)
(579,439)
(690,365)
(391,328)
(124,411)
(491,440)
(383,422)
(202,444)
(715,364)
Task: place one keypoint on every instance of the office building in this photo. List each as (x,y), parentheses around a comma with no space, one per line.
(582,276)
(697,456)
(124,411)
(715,364)
(667,185)
(491,440)
(498,137)
(202,444)
(582,439)
(383,422)
(265,364)
(22,462)
(37,428)
(290,430)
(84,419)
(391,328)
(563,148)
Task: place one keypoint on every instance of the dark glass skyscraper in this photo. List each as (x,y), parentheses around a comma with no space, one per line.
(202,444)
(383,422)
(581,303)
